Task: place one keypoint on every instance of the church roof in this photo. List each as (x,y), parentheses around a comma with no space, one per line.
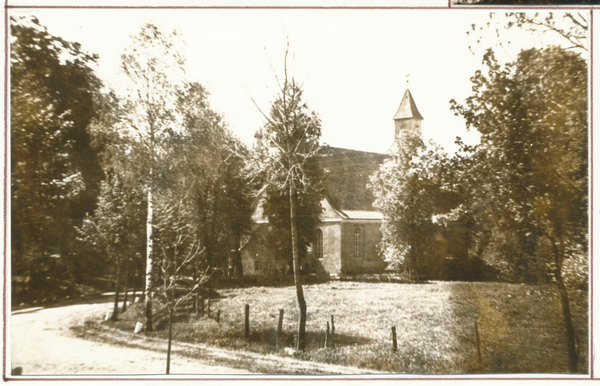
(408,108)
(363,214)
(347,173)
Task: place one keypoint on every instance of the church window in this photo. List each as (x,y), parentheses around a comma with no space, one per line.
(357,243)
(318,246)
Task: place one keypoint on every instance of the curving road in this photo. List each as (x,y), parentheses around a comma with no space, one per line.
(42,344)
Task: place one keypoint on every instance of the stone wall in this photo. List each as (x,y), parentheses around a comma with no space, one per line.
(368,260)
(332,247)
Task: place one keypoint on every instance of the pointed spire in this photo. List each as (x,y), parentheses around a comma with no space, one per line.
(408,108)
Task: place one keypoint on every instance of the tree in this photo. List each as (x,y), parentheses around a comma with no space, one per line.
(571,28)
(284,148)
(54,169)
(409,190)
(155,67)
(119,217)
(197,213)
(181,251)
(120,225)
(308,208)
(213,157)
(532,162)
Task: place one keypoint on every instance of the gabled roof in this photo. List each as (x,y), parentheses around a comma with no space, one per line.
(408,108)
(347,173)
(363,214)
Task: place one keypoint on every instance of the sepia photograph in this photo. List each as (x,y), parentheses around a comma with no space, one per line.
(362,193)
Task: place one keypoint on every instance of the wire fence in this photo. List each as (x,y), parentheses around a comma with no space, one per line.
(480,337)
(281,319)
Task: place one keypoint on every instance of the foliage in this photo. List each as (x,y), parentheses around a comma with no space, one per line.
(575,270)
(55,171)
(277,207)
(165,143)
(410,191)
(212,160)
(292,131)
(155,69)
(531,165)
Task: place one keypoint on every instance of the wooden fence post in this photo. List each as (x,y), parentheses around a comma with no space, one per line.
(327,336)
(279,329)
(208,307)
(247,322)
(332,336)
(394,342)
(201,305)
(332,326)
(477,342)
(218,316)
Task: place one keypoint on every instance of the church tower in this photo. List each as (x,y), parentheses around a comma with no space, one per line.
(407,122)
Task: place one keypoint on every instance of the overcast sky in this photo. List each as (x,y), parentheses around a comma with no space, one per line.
(353,63)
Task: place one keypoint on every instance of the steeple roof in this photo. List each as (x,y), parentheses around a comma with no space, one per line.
(408,108)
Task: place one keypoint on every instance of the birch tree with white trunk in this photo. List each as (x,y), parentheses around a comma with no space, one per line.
(154,65)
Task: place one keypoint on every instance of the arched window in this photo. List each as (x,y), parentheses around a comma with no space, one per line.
(318,244)
(357,243)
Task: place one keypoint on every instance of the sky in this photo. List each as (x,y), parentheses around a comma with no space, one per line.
(353,63)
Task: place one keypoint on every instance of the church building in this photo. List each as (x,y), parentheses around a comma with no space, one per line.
(346,242)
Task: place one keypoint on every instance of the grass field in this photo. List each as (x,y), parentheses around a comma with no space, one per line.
(520,326)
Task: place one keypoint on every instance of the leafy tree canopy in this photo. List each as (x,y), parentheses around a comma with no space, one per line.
(54,169)
(532,160)
(285,147)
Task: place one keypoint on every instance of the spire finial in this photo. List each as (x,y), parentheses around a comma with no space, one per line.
(407,80)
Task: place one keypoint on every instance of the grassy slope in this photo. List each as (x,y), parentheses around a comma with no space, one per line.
(520,326)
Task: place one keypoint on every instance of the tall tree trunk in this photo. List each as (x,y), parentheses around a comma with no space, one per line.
(569,329)
(559,252)
(117,289)
(126,287)
(296,262)
(170,338)
(237,258)
(148,286)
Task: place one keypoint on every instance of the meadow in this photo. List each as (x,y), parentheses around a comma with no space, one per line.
(438,325)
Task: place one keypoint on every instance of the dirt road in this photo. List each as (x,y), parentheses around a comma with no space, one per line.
(42,344)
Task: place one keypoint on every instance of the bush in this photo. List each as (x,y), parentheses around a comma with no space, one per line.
(576,271)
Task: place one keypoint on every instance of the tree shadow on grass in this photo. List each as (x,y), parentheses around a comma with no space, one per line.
(519,327)
(315,339)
